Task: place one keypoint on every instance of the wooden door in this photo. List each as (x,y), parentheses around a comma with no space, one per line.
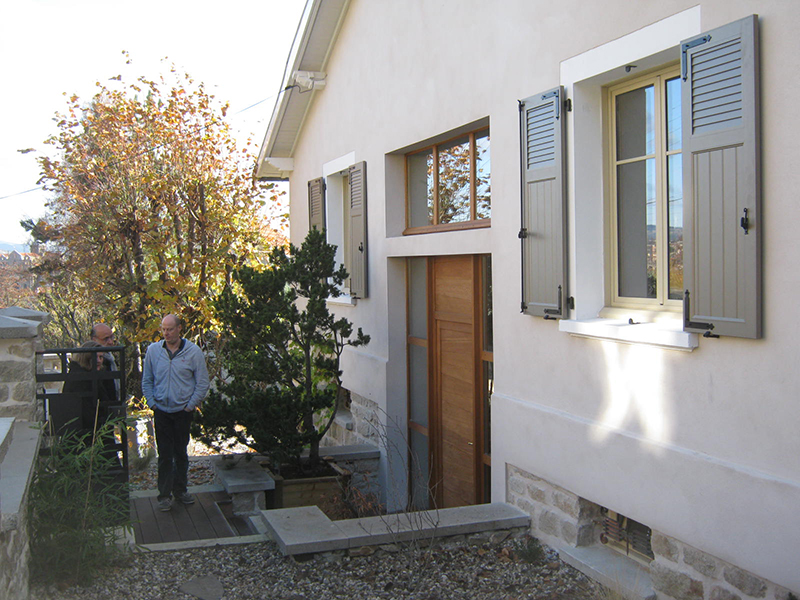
(454,329)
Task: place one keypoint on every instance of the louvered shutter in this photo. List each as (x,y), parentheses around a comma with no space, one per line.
(721,181)
(543,232)
(316,203)
(358,230)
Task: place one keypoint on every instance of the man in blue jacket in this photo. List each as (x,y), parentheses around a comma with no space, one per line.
(174,383)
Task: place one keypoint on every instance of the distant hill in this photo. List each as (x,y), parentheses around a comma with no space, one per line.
(8,247)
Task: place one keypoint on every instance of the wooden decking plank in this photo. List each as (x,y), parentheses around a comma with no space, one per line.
(150,532)
(216,519)
(135,523)
(165,522)
(183,522)
(202,524)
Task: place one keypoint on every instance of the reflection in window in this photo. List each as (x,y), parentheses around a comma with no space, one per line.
(449,183)
(648,194)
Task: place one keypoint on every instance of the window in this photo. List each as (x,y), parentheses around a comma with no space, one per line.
(448,184)
(338,204)
(709,261)
(646,204)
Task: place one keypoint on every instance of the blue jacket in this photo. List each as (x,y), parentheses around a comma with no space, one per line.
(173,384)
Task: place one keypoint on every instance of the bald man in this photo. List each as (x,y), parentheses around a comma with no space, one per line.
(174,383)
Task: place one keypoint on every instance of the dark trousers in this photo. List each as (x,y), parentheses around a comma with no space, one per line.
(172,440)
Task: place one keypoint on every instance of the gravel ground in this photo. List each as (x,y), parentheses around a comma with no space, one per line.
(479,569)
(456,571)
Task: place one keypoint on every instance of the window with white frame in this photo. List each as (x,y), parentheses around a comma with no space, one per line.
(338,204)
(646,198)
(707,262)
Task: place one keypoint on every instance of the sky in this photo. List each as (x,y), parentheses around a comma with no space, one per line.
(237,48)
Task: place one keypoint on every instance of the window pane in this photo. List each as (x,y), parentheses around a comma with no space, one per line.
(483,167)
(635,123)
(417,298)
(488,390)
(675,220)
(420,188)
(454,184)
(420,471)
(636,228)
(488,330)
(674,138)
(418,384)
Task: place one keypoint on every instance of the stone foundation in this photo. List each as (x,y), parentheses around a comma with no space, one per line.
(682,572)
(14,557)
(355,425)
(555,512)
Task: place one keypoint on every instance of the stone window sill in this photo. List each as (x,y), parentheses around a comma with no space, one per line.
(635,327)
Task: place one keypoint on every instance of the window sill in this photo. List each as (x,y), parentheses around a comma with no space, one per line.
(665,332)
(343,300)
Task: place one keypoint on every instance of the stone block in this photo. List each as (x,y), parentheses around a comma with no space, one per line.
(536,493)
(24,391)
(14,370)
(674,584)
(719,593)
(23,349)
(516,486)
(549,523)
(567,503)
(569,532)
(700,561)
(3,392)
(745,582)
(664,546)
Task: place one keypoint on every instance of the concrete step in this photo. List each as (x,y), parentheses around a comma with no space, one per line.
(306,529)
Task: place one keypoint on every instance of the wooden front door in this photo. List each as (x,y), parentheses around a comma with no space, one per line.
(454,328)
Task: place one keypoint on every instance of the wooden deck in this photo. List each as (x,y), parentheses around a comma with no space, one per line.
(210,517)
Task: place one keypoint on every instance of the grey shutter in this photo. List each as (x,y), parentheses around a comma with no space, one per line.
(543,232)
(316,203)
(358,230)
(721,181)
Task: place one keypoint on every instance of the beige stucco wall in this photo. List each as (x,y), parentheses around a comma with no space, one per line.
(700,445)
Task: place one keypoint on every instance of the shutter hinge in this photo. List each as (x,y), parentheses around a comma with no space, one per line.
(568,105)
(549,312)
(557,104)
(521,105)
(684,57)
(571,303)
(689,324)
(523,233)
(522,306)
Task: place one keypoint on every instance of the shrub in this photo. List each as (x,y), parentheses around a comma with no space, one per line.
(76,508)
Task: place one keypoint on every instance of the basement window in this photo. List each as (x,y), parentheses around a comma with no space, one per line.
(626,536)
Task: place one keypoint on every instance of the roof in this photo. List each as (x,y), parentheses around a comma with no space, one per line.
(303,79)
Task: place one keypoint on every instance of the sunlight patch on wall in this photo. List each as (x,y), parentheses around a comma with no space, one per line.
(634,397)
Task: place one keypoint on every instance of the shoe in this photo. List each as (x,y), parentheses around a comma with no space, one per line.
(185,498)
(165,504)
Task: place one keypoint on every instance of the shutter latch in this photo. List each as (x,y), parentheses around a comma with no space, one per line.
(549,312)
(745,222)
(523,233)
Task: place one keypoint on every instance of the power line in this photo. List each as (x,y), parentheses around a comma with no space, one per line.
(145,151)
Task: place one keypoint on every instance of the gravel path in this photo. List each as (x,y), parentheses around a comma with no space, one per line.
(483,569)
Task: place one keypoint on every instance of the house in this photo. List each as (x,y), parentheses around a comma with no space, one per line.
(570,233)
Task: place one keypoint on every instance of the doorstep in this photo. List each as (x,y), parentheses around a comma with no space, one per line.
(306,529)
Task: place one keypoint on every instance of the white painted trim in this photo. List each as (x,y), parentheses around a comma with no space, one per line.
(666,334)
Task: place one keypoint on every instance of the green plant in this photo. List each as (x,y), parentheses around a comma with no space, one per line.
(530,550)
(280,355)
(76,508)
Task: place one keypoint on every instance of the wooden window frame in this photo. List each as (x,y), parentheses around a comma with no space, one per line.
(474,222)
(661,302)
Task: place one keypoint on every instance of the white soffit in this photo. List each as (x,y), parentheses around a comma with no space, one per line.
(316,35)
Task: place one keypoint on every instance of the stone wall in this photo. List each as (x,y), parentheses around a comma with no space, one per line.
(555,512)
(19,340)
(682,572)
(357,424)
(14,557)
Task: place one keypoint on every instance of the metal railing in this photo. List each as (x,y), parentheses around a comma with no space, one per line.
(66,410)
